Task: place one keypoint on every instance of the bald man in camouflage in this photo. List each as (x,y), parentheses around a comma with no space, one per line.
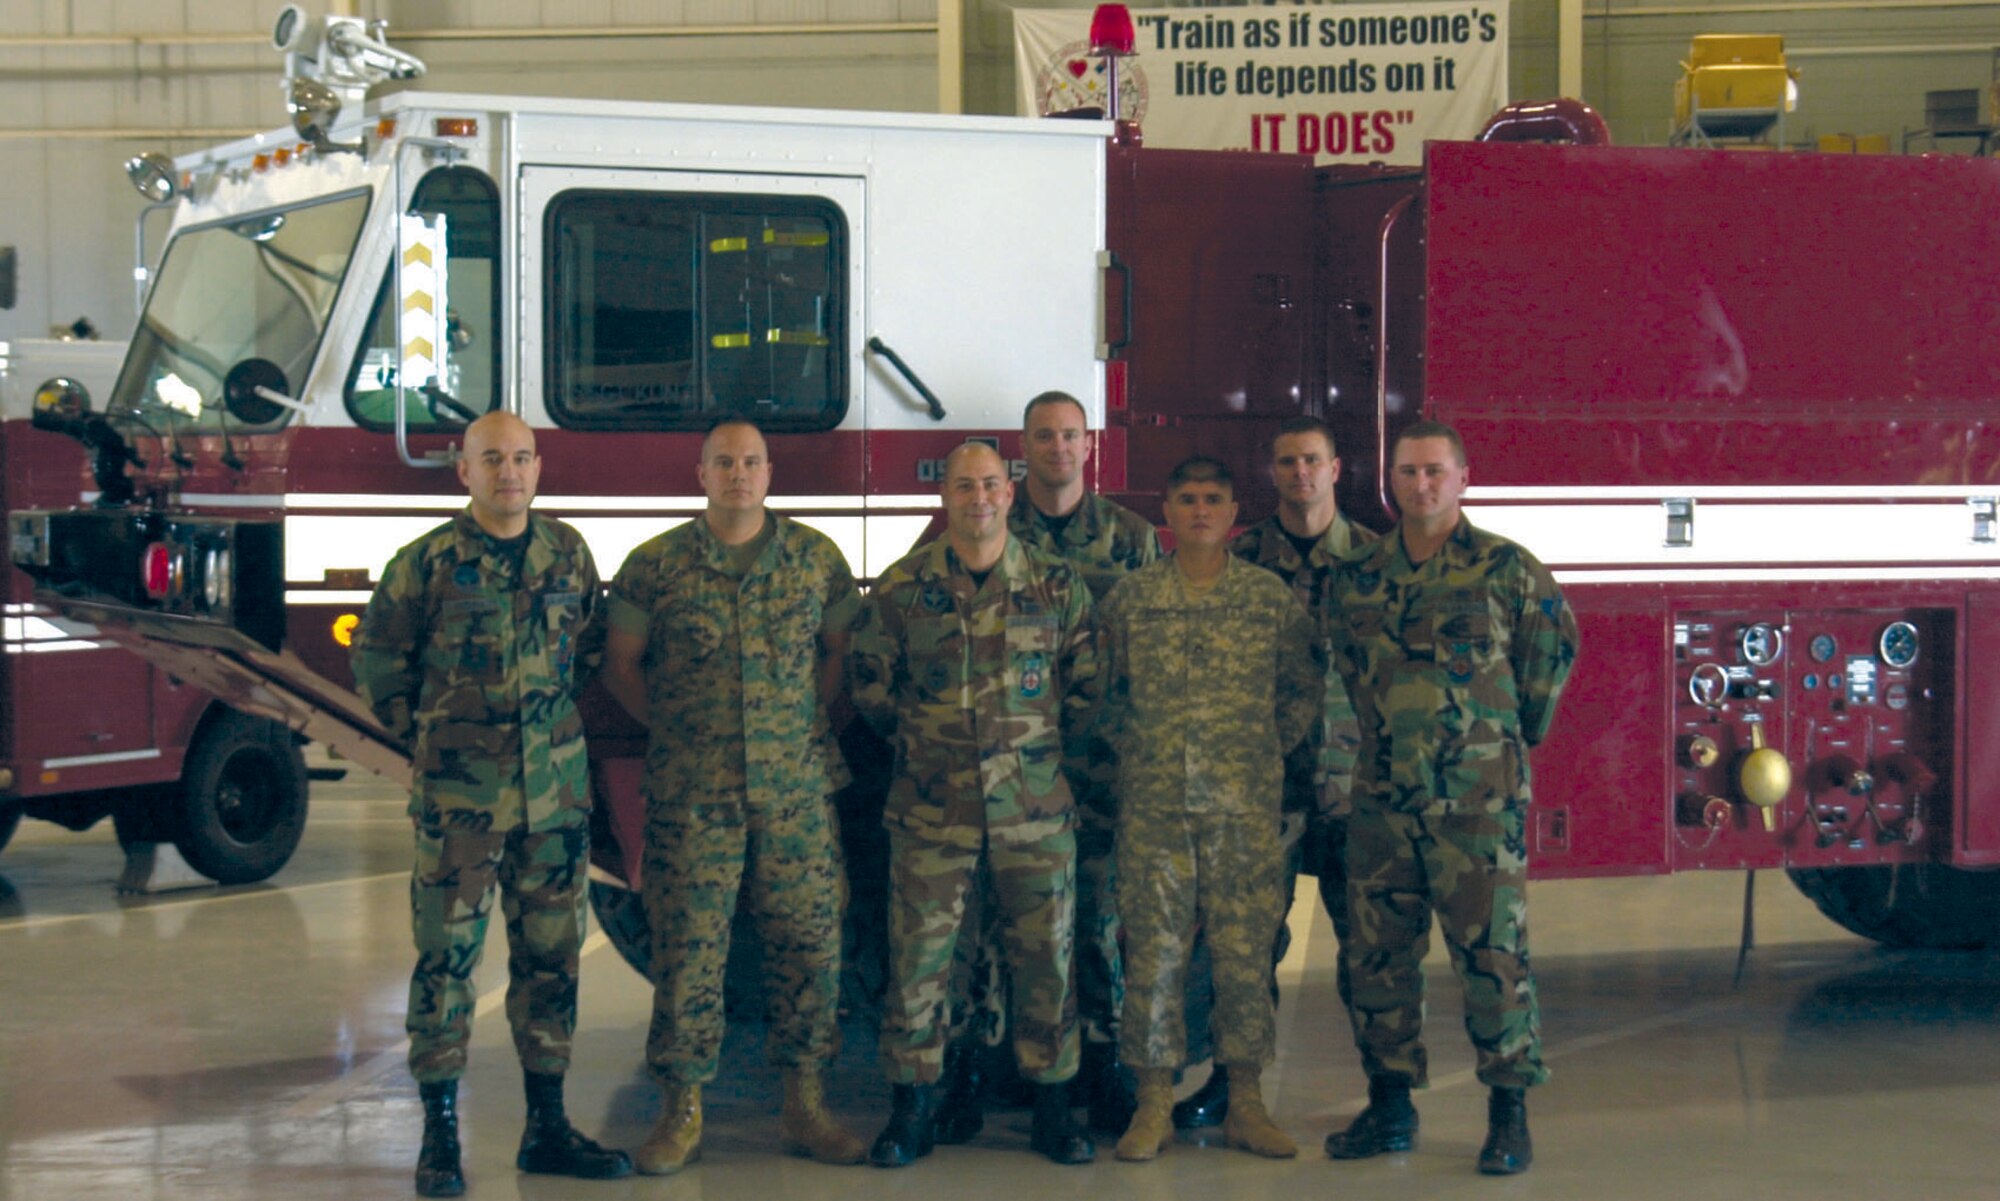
(471,652)
(976,658)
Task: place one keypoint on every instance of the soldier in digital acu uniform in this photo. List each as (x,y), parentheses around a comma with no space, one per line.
(1211,676)
(727,640)
(471,653)
(976,657)
(1454,645)
(1300,543)
(1055,513)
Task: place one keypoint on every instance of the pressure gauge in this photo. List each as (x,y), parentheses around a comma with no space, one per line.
(1761,644)
(1899,644)
(1822,648)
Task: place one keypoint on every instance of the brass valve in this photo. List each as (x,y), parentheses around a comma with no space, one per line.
(1700,751)
(1765,776)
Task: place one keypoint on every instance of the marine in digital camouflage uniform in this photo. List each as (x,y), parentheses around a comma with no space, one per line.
(1056,514)
(727,638)
(975,656)
(1454,644)
(471,652)
(1212,675)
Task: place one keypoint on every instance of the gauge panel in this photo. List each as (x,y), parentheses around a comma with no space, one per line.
(1899,644)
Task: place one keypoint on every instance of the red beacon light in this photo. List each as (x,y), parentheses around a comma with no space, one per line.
(1112,37)
(1111,31)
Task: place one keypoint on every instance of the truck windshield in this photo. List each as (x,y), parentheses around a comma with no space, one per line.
(253,286)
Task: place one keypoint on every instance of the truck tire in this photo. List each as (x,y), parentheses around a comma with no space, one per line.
(10,820)
(1924,905)
(242,803)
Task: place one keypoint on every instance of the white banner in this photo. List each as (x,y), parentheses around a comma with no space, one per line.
(1347,83)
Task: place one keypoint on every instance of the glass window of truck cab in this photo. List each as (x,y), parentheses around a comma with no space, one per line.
(468,369)
(251,286)
(669,311)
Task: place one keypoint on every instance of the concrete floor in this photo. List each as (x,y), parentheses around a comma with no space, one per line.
(248,1042)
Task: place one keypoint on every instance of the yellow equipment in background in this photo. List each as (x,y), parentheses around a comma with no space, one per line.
(1735,86)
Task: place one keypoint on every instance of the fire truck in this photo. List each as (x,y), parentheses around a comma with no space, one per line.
(1737,401)
(165,761)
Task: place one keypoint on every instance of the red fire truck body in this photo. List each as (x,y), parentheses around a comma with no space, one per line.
(88,730)
(1736,401)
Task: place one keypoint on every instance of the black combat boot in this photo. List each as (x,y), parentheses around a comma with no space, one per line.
(1102,1085)
(1055,1132)
(1205,1106)
(550,1146)
(438,1170)
(912,1128)
(1388,1124)
(961,1109)
(1507,1151)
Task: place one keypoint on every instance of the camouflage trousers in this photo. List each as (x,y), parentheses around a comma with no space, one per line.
(1471,870)
(538,872)
(1179,870)
(978,978)
(1322,850)
(783,859)
(1034,896)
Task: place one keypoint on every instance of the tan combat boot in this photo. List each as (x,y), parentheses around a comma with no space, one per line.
(676,1138)
(1248,1126)
(1152,1127)
(809,1129)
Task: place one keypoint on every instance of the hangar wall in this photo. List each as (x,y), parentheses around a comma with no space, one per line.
(86,83)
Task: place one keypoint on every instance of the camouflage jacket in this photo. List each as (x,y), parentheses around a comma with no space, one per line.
(1103,539)
(1205,695)
(732,662)
(477,668)
(1455,666)
(978,689)
(1320,775)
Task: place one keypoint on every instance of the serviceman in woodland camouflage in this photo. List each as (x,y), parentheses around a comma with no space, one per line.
(1056,513)
(1212,675)
(976,657)
(472,652)
(1300,543)
(727,639)
(1454,645)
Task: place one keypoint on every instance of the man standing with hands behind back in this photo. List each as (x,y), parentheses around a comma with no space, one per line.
(470,653)
(1454,645)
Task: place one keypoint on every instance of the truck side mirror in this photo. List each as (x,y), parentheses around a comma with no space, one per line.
(246,391)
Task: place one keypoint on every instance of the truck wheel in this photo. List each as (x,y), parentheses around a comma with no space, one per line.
(622,913)
(242,800)
(1927,905)
(10,820)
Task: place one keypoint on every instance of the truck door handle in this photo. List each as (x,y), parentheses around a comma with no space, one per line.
(1108,260)
(879,347)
